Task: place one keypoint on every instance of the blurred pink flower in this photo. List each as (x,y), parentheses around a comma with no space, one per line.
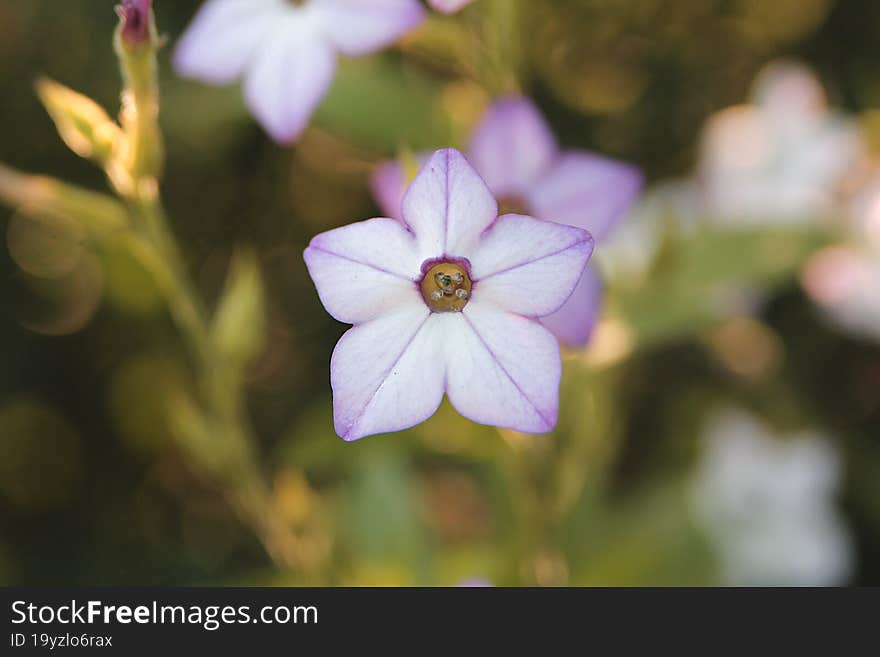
(286,49)
(844,279)
(779,159)
(444,300)
(449,6)
(518,157)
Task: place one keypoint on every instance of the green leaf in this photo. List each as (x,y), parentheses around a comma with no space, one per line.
(381,104)
(49,199)
(239,327)
(711,276)
(82,124)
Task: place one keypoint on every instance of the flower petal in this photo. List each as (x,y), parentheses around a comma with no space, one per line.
(390,182)
(573,323)
(448,206)
(223,37)
(365,269)
(586,190)
(358,27)
(449,6)
(388,185)
(512,146)
(502,369)
(387,375)
(289,77)
(528,266)
(845,281)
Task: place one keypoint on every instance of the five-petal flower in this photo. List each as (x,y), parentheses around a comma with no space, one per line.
(286,49)
(445,301)
(514,150)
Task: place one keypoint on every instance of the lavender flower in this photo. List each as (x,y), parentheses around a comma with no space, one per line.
(517,155)
(445,301)
(286,50)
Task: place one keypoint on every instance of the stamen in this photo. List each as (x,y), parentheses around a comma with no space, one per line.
(446,287)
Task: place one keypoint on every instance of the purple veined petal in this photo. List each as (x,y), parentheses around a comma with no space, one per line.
(223,38)
(449,6)
(574,322)
(388,374)
(364,270)
(289,76)
(528,266)
(512,146)
(588,191)
(448,206)
(359,27)
(502,369)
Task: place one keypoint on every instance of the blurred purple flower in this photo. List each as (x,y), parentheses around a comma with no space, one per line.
(286,50)
(444,300)
(135,16)
(449,6)
(476,583)
(517,155)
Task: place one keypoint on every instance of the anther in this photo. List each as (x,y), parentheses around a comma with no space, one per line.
(446,287)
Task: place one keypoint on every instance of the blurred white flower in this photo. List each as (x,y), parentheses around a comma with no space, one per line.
(670,207)
(286,50)
(844,280)
(780,158)
(768,504)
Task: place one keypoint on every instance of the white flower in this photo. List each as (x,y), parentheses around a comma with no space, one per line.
(286,50)
(768,503)
(780,158)
(844,279)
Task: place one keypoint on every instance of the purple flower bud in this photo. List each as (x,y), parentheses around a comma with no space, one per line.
(135,17)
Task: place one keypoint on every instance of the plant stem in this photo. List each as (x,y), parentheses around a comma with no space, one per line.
(220,391)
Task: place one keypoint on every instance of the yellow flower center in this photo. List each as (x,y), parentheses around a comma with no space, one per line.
(446,287)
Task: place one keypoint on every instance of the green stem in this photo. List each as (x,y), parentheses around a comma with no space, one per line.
(221,394)
(224,445)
